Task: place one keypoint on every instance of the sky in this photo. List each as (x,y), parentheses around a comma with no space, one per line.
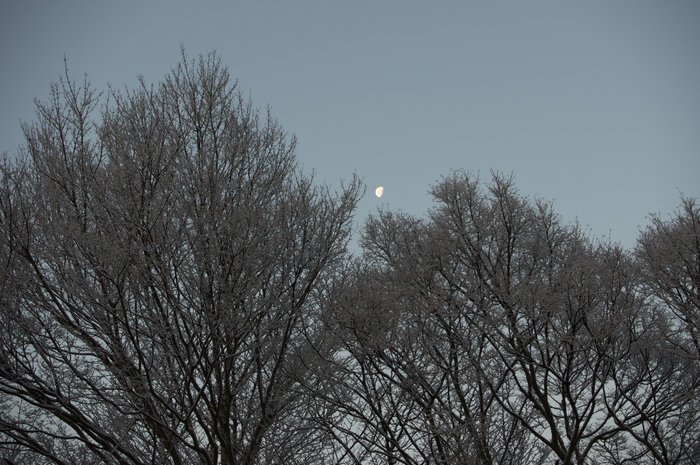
(594,105)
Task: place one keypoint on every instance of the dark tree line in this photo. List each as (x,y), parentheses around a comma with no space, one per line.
(174,290)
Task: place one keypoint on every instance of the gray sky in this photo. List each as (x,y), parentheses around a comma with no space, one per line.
(592,104)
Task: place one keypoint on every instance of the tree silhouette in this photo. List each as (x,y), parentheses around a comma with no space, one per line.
(174,290)
(159,263)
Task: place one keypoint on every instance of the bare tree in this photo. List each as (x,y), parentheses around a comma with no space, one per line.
(670,253)
(490,332)
(412,357)
(661,385)
(548,303)
(174,290)
(159,264)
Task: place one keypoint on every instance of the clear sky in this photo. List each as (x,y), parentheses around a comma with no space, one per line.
(593,104)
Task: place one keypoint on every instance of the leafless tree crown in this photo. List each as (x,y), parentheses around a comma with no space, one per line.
(174,290)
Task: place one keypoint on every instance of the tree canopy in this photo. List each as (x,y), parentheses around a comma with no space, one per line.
(175,290)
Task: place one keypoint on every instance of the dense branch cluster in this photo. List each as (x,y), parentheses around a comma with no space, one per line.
(174,290)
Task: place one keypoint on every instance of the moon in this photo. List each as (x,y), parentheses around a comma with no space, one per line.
(380,191)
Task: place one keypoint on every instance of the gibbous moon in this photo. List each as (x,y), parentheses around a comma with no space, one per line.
(379,191)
